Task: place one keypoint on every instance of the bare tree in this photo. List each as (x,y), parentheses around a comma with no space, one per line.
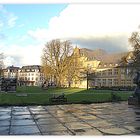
(1,64)
(135,43)
(133,61)
(72,68)
(57,60)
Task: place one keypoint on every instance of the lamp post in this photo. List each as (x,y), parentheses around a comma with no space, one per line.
(87,75)
(87,79)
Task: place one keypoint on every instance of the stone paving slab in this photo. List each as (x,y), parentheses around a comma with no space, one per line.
(87,117)
(5,113)
(68,119)
(38,111)
(5,117)
(19,108)
(4,130)
(78,125)
(5,109)
(21,117)
(65,132)
(88,132)
(46,115)
(4,123)
(100,124)
(131,128)
(20,113)
(52,127)
(24,130)
(47,121)
(73,119)
(115,131)
(22,122)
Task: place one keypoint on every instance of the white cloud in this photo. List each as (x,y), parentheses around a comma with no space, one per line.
(22,55)
(87,21)
(39,34)
(88,25)
(12,20)
(7,19)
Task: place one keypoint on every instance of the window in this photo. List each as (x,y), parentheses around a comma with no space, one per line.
(99,82)
(104,82)
(104,73)
(99,73)
(110,82)
(116,82)
(32,78)
(110,72)
(122,82)
(116,72)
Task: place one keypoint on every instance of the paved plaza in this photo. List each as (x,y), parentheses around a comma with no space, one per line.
(74,119)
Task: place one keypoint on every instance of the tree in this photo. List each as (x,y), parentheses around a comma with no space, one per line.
(73,67)
(134,40)
(1,64)
(132,60)
(58,61)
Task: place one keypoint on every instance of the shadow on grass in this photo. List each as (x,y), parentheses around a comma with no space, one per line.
(38,96)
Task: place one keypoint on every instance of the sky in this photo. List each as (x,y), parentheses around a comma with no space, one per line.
(25,28)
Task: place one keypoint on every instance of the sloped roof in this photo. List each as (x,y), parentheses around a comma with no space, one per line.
(31,67)
(12,68)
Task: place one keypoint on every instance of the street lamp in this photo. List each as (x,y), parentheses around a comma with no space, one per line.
(88,74)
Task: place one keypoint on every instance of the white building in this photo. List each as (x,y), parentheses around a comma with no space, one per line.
(11,72)
(31,75)
(27,75)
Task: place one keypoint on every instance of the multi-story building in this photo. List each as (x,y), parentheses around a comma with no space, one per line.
(103,70)
(96,69)
(27,75)
(112,75)
(11,72)
(31,75)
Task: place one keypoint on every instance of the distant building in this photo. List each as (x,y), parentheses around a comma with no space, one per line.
(11,72)
(31,75)
(102,69)
(27,75)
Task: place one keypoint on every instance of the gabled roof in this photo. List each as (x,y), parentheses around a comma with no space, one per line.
(31,67)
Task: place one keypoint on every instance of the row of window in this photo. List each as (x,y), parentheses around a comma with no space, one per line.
(31,74)
(103,82)
(31,78)
(108,72)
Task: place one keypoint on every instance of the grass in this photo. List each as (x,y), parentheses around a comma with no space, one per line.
(38,96)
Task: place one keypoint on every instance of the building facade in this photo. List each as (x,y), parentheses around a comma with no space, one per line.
(27,75)
(11,72)
(31,75)
(113,75)
(103,72)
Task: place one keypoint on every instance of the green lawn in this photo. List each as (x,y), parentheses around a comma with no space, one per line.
(38,96)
